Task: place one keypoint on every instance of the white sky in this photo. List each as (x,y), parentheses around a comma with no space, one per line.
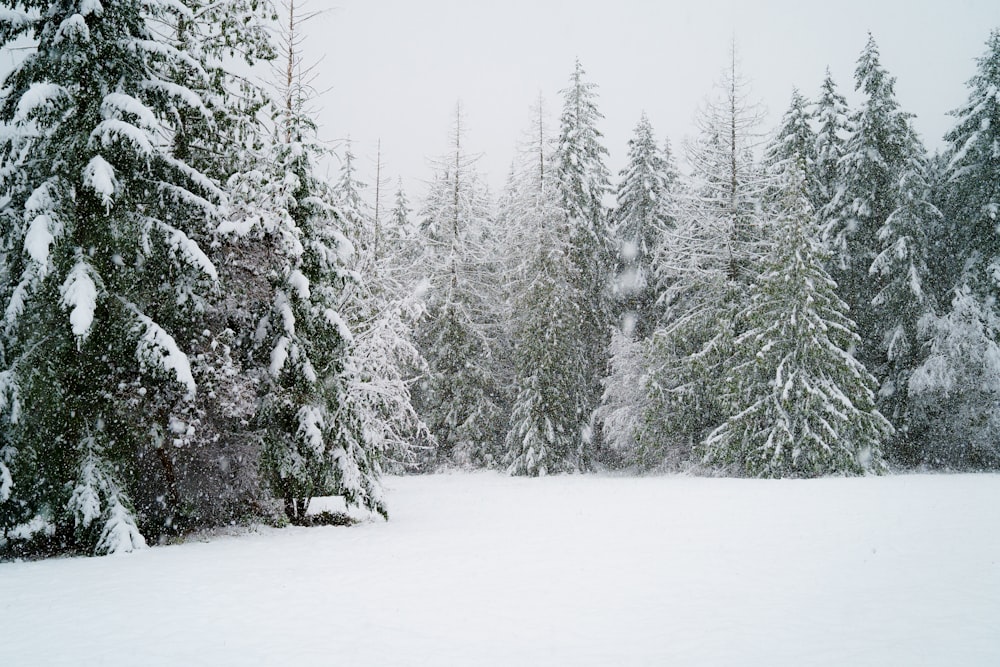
(394,69)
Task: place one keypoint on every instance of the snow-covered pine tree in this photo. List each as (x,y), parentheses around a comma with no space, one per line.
(314,439)
(804,405)
(353,210)
(381,355)
(582,181)
(552,401)
(642,211)
(402,245)
(210,472)
(626,402)
(900,275)
(105,282)
(705,264)
(878,228)
(795,139)
(955,390)
(972,181)
(459,398)
(831,116)
(874,155)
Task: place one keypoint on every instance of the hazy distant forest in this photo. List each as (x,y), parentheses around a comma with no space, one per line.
(199,329)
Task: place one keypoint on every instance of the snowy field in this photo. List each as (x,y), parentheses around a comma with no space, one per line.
(481,569)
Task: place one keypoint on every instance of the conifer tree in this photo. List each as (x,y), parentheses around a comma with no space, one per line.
(900,274)
(105,281)
(804,405)
(459,399)
(705,265)
(581,182)
(642,211)
(972,181)
(381,354)
(879,234)
(954,390)
(795,140)
(874,155)
(552,400)
(314,436)
(626,401)
(831,115)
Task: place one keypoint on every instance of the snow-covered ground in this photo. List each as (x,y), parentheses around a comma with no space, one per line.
(481,569)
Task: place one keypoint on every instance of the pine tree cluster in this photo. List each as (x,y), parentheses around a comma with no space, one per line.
(198,329)
(189,335)
(815,300)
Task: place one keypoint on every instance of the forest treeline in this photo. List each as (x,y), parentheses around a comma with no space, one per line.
(199,329)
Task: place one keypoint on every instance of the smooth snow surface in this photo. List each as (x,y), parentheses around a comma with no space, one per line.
(480,569)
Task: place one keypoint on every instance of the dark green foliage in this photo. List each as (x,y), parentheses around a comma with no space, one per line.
(803,406)
(104,280)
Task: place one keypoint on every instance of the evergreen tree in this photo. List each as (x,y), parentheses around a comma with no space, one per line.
(804,405)
(795,140)
(955,388)
(105,280)
(212,472)
(874,155)
(314,436)
(552,400)
(643,209)
(879,237)
(705,265)
(381,353)
(900,274)
(831,115)
(626,400)
(972,181)
(459,399)
(581,182)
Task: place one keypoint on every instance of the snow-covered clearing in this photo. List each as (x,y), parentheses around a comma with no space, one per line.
(481,569)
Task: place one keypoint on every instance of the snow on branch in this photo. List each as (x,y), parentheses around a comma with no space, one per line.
(179,242)
(79,294)
(40,95)
(119,105)
(110,130)
(177,92)
(99,176)
(311,423)
(158,349)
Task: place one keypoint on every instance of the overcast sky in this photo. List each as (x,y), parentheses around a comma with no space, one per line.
(394,69)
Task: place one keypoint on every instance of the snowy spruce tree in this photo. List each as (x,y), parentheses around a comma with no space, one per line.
(581,183)
(551,401)
(562,308)
(705,265)
(901,274)
(831,116)
(459,398)
(795,140)
(878,236)
(804,406)
(381,356)
(955,389)
(642,211)
(874,156)
(314,436)
(645,209)
(104,280)
(209,460)
(971,201)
